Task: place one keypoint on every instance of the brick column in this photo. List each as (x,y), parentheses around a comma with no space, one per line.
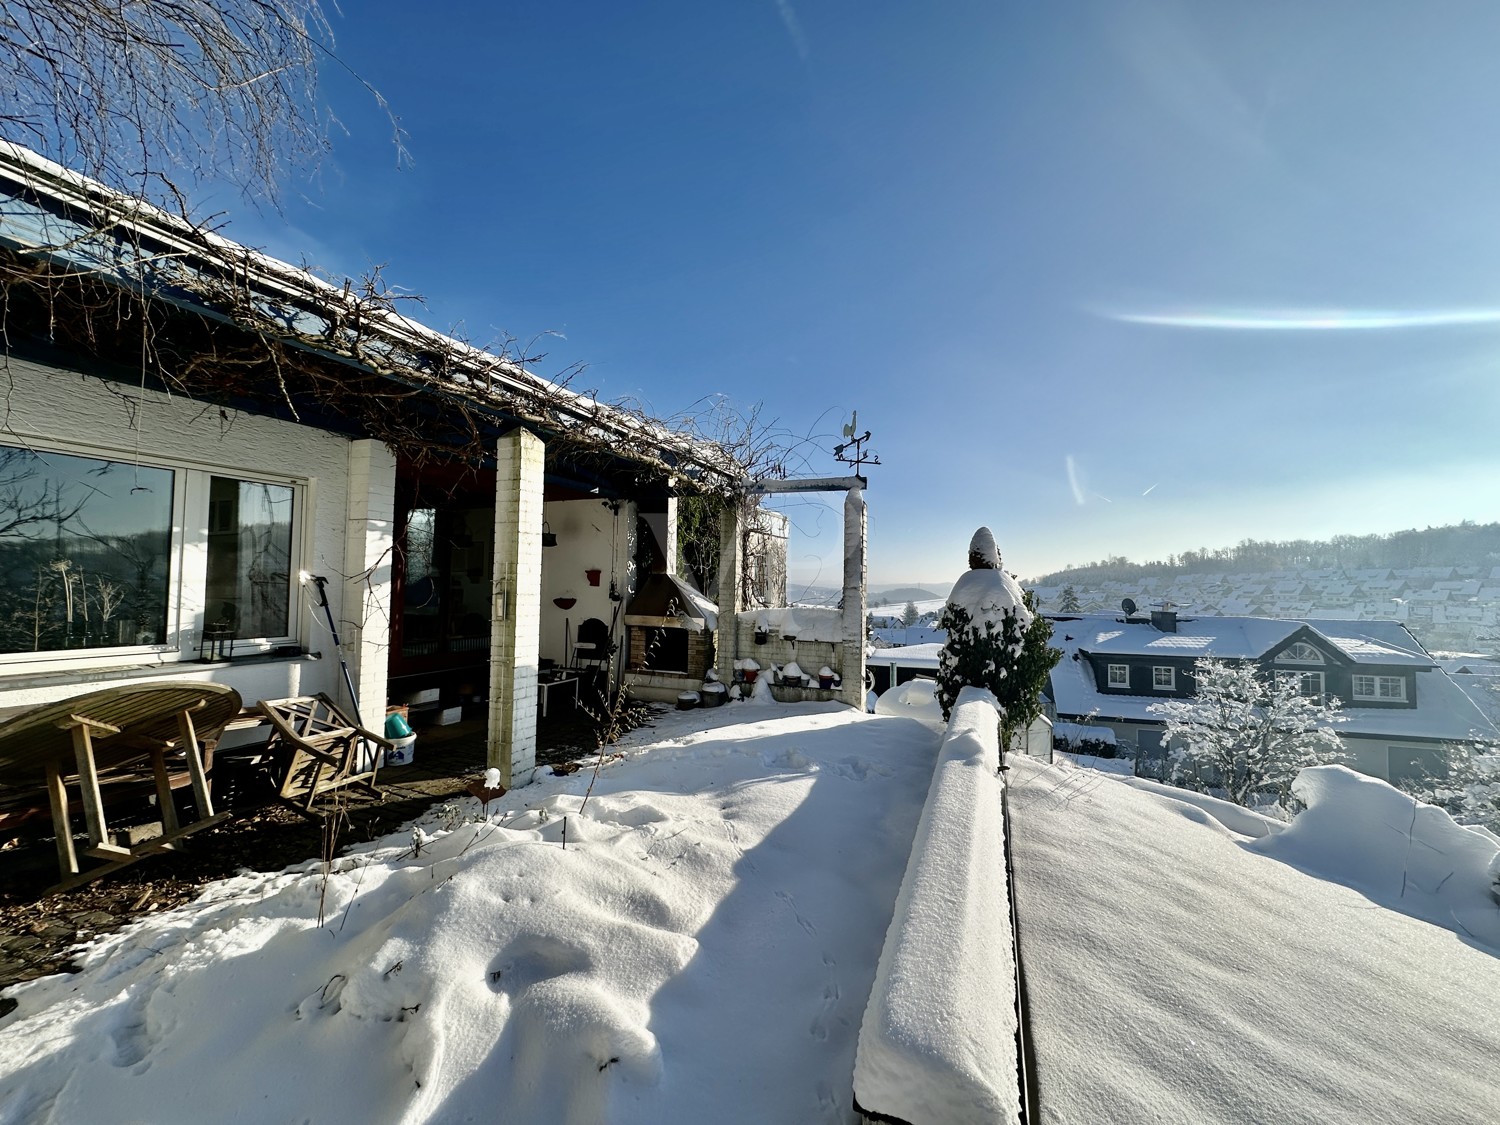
(369,540)
(516,607)
(728,640)
(855,542)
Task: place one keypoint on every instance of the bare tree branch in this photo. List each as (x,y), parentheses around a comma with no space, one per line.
(128,92)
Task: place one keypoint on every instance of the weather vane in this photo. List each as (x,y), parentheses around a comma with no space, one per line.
(857,440)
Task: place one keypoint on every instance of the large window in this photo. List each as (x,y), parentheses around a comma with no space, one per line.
(1388,689)
(1310,684)
(447,558)
(85,552)
(249,588)
(98,554)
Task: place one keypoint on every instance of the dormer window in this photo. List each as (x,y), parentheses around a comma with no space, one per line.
(1300,653)
(1164,678)
(1119,675)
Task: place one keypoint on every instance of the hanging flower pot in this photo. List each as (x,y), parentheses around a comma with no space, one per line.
(549,537)
(761,636)
(593,576)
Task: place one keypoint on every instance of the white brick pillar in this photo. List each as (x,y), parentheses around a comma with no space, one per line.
(728,640)
(516,607)
(626,583)
(855,542)
(369,541)
(670,546)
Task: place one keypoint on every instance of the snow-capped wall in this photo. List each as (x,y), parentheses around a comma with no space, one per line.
(937,1043)
(805,635)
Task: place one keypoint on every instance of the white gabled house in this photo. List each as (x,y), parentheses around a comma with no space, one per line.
(192,433)
(1402,707)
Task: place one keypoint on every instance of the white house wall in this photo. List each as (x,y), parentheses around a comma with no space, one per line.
(52,409)
(1369,756)
(589,537)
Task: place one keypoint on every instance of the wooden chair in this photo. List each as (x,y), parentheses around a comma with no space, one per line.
(591,656)
(316,749)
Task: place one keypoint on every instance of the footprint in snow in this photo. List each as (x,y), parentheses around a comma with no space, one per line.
(831,995)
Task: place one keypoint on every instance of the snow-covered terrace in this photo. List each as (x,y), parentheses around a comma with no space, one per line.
(694,935)
(1189,962)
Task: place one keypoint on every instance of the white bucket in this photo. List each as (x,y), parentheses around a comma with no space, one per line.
(402,753)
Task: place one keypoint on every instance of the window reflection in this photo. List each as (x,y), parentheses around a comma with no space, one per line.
(249,559)
(85,549)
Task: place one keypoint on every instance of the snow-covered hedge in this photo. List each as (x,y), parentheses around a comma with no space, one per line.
(937,1043)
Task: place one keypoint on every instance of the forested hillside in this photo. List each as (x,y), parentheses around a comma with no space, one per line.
(1464,544)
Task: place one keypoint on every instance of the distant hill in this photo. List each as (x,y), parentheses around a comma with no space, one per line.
(882,597)
(813,595)
(900,595)
(1464,544)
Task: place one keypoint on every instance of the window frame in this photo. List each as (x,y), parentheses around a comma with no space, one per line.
(1378,683)
(1309,655)
(186,563)
(1110,675)
(259,644)
(1156,677)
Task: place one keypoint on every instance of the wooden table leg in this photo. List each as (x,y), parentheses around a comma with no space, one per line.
(67,858)
(195,763)
(166,806)
(88,783)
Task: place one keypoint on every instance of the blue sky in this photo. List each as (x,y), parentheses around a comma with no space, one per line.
(1112,278)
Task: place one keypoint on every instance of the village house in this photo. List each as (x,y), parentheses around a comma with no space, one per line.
(1402,707)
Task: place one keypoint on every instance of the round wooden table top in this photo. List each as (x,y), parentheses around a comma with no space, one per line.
(146,715)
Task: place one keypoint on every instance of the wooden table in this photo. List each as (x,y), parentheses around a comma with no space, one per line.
(119,732)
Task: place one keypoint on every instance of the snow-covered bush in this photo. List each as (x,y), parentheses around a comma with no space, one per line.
(996,640)
(1247,734)
(1466,785)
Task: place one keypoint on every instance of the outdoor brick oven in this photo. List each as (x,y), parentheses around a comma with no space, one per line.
(669,637)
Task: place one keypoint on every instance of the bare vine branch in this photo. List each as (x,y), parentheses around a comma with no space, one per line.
(133,93)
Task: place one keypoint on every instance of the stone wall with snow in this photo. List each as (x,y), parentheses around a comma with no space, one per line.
(809,636)
(937,1043)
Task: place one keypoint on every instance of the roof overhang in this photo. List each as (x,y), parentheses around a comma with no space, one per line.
(373,363)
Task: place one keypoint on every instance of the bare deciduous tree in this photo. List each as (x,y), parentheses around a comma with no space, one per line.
(133,93)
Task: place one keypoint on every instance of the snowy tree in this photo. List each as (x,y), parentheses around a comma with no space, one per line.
(910,615)
(1466,785)
(1069,601)
(1246,733)
(996,640)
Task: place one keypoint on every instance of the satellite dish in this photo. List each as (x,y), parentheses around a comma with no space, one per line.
(1128,605)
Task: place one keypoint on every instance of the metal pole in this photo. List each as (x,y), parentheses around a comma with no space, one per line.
(322,583)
